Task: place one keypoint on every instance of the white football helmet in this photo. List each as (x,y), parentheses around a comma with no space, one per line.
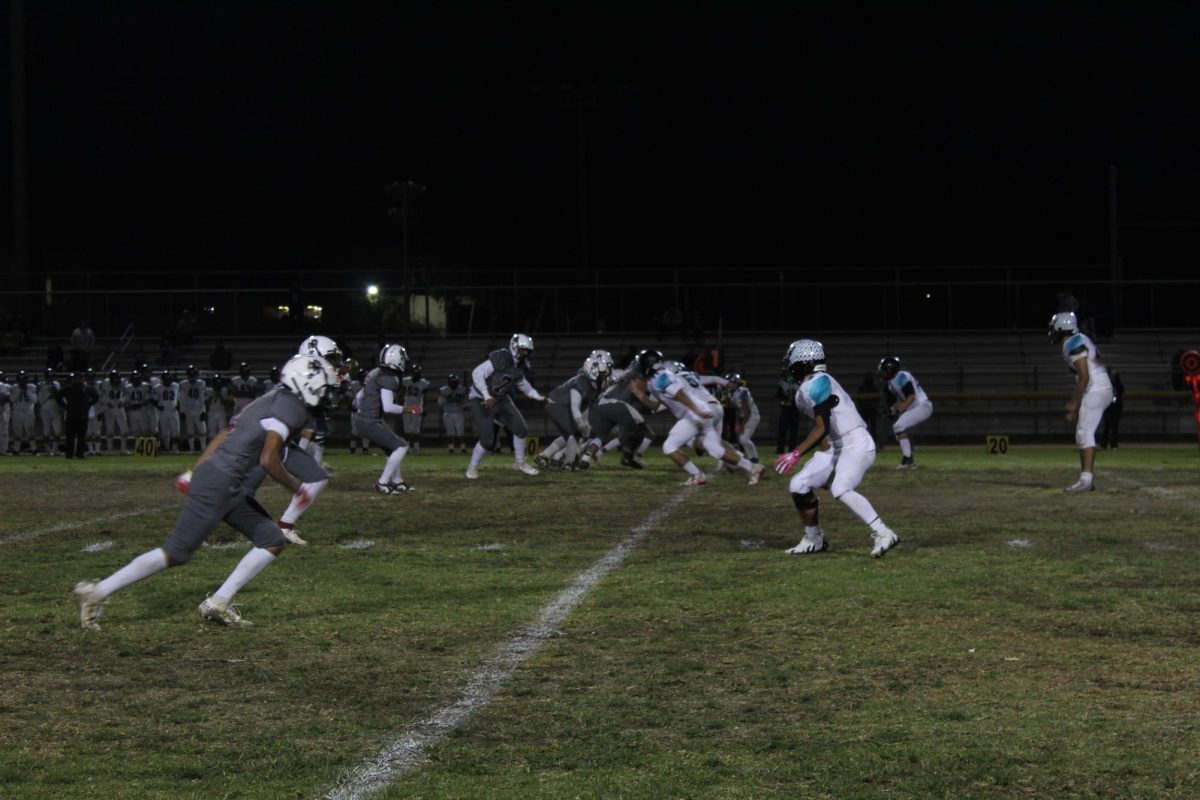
(804,356)
(604,357)
(322,347)
(394,357)
(1063,324)
(596,368)
(312,378)
(517,343)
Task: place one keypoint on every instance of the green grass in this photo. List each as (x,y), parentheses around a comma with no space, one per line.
(710,664)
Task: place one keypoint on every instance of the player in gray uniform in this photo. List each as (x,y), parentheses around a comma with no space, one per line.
(625,403)
(165,399)
(112,400)
(376,398)
(191,406)
(493,384)
(5,412)
(50,412)
(453,399)
(24,405)
(567,406)
(217,492)
(137,406)
(415,387)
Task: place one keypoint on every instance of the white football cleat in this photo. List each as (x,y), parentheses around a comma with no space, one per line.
(883,542)
(696,480)
(1081,486)
(521,466)
(400,486)
(811,543)
(222,612)
(91,605)
(756,473)
(290,534)
(472,472)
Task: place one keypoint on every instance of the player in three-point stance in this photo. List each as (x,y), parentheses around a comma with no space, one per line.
(218,492)
(1093,392)
(845,450)
(909,405)
(493,383)
(567,406)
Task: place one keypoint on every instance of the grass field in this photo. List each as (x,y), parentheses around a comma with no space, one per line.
(1019,643)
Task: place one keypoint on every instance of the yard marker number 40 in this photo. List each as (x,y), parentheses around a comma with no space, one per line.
(997,445)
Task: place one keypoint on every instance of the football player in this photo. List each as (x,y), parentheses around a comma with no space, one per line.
(698,418)
(746,416)
(137,406)
(453,399)
(625,403)
(243,388)
(217,492)
(353,389)
(415,387)
(908,406)
(1093,392)
(845,450)
(5,413)
(191,404)
(218,403)
(567,406)
(165,398)
(493,383)
(95,413)
(328,349)
(377,398)
(24,402)
(50,411)
(116,421)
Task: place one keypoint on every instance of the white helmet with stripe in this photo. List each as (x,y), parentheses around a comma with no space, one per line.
(312,378)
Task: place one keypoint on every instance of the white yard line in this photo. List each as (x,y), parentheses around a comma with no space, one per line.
(28,536)
(407,749)
(1161,491)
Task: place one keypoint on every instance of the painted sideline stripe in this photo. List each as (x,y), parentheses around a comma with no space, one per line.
(407,749)
(28,536)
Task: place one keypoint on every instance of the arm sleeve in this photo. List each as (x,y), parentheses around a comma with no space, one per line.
(272,424)
(709,380)
(576,411)
(527,389)
(479,377)
(387,400)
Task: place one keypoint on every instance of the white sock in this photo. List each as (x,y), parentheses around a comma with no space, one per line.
(906,448)
(554,447)
(519,449)
(315,450)
(863,509)
(745,464)
(251,564)
(391,470)
(812,530)
(141,567)
(294,510)
(612,445)
(1086,477)
(645,445)
(572,450)
(691,469)
(477,454)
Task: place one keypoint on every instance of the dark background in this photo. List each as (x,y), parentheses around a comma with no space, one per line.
(260,134)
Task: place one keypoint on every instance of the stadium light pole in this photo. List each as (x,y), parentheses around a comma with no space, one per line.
(19,128)
(403,195)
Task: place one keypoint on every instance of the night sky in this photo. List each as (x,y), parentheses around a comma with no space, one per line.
(260,134)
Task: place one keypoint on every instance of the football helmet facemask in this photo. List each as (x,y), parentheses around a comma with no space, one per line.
(312,379)
(519,342)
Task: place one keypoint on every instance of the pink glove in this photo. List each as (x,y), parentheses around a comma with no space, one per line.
(183,482)
(303,496)
(784,464)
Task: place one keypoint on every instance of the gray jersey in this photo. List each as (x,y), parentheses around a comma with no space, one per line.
(588,391)
(506,374)
(414,392)
(370,405)
(620,392)
(452,400)
(239,452)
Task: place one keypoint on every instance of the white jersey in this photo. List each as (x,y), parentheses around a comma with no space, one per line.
(1078,347)
(47,394)
(137,396)
(740,396)
(24,400)
(166,395)
(667,387)
(819,391)
(191,396)
(112,395)
(904,384)
(214,397)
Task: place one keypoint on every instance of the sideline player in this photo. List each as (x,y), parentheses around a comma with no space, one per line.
(24,404)
(191,404)
(840,462)
(909,405)
(165,397)
(1093,392)
(415,387)
(5,413)
(217,493)
(376,398)
(116,421)
(493,383)
(698,418)
(453,399)
(218,402)
(50,411)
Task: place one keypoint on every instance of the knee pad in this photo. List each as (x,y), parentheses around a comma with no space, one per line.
(805,501)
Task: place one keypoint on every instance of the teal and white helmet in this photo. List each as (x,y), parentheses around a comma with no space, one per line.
(804,356)
(1063,324)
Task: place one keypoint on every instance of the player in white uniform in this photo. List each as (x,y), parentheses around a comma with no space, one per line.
(24,412)
(137,407)
(217,403)
(165,398)
(151,381)
(95,412)
(698,418)
(1093,392)
(845,450)
(244,388)
(746,414)
(414,387)
(5,412)
(50,411)
(112,403)
(191,406)
(909,405)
